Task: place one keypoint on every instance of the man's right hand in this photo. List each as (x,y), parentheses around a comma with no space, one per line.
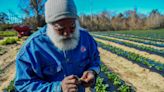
(69,84)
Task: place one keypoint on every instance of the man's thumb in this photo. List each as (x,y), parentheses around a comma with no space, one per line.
(84,75)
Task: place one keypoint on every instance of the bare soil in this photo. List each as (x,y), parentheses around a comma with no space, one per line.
(160,48)
(7,65)
(141,78)
(142,53)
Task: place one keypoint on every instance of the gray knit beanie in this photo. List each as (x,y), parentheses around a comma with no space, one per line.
(59,9)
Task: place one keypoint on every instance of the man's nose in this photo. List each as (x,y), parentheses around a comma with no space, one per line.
(67,32)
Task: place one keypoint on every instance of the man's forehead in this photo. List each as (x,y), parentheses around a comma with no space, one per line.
(65,21)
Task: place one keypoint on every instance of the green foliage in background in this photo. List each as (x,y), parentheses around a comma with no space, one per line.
(8,33)
(8,41)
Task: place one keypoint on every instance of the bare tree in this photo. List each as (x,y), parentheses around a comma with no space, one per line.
(155,19)
(3,18)
(33,8)
(117,22)
(123,21)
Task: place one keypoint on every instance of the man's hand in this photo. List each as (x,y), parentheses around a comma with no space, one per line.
(87,78)
(69,84)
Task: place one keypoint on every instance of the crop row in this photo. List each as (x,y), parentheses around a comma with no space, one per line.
(137,40)
(140,47)
(7,41)
(8,33)
(100,85)
(119,84)
(141,60)
(138,37)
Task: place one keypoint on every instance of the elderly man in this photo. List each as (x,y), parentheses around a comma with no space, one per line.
(60,57)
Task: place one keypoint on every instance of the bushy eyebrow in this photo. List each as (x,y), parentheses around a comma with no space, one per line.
(61,26)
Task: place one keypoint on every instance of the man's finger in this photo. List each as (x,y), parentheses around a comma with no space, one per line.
(70,77)
(73,90)
(72,86)
(84,75)
(72,81)
(90,77)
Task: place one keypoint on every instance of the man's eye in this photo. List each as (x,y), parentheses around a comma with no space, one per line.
(73,27)
(61,29)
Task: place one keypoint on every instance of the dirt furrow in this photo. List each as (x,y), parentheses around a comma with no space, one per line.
(145,54)
(7,76)
(143,79)
(8,57)
(7,66)
(160,48)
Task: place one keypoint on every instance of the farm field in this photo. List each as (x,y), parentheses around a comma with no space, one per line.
(131,61)
(133,58)
(152,34)
(9,45)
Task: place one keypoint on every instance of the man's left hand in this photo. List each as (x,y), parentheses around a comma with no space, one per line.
(88,78)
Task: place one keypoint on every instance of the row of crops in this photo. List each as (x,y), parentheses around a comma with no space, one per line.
(141,60)
(154,43)
(137,46)
(152,65)
(145,40)
(8,33)
(115,84)
(9,40)
(142,34)
(138,37)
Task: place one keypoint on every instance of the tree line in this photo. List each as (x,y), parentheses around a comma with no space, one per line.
(129,20)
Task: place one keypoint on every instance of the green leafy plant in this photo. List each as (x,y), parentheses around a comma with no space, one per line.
(100,86)
(8,33)
(9,41)
(114,78)
(10,88)
(124,88)
(152,64)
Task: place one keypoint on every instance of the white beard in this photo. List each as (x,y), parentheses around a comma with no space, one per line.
(62,42)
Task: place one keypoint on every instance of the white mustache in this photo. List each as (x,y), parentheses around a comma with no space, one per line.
(66,37)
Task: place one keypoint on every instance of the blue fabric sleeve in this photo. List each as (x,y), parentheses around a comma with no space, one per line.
(29,79)
(94,55)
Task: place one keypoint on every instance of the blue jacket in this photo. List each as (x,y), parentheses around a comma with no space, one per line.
(40,66)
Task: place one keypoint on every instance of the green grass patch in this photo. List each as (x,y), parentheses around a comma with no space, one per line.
(8,41)
(100,86)
(8,33)
(10,88)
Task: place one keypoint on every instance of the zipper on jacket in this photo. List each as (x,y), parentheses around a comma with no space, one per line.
(65,55)
(65,59)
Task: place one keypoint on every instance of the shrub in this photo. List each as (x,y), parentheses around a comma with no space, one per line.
(9,41)
(8,33)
